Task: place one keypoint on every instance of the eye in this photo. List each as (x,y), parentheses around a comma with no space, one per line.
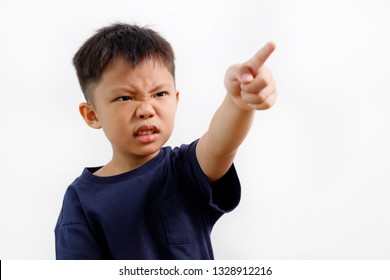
(124,98)
(161,94)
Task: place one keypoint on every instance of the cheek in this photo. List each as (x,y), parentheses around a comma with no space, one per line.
(172,119)
(169,113)
(114,122)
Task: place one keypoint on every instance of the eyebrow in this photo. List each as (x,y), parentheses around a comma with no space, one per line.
(131,90)
(159,87)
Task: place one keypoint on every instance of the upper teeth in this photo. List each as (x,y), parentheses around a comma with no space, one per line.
(146,132)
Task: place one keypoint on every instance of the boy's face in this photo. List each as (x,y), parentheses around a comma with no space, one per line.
(135,107)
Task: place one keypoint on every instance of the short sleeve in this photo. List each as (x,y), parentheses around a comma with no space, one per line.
(222,195)
(74,239)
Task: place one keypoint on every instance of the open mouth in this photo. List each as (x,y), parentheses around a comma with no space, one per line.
(146,133)
(146,130)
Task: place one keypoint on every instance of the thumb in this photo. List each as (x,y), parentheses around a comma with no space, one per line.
(244,75)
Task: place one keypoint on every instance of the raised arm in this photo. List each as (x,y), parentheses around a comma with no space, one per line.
(250,87)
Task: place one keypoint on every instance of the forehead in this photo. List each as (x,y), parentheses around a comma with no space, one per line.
(119,67)
(146,75)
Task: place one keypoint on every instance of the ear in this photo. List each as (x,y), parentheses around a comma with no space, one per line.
(89,115)
(177,96)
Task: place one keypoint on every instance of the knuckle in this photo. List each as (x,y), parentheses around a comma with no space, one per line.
(262,98)
(263,81)
(267,105)
(269,102)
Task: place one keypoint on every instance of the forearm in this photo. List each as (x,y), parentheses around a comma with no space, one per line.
(217,147)
(228,128)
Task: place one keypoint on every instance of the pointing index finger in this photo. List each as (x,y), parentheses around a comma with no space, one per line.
(260,57)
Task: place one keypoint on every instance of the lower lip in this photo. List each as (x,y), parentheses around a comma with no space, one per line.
(146,138)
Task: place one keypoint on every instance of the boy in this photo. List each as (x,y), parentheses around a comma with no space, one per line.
(150,201)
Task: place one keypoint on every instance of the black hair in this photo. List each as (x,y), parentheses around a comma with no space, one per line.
(132,43)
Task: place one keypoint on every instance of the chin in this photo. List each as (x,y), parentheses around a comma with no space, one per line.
(148,151)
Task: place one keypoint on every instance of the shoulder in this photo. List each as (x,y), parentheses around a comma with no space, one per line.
(185,151)
(72,209)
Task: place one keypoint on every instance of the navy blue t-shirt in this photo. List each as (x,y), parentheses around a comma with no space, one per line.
(164,209)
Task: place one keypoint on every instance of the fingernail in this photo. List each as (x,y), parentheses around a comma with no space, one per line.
(246,77)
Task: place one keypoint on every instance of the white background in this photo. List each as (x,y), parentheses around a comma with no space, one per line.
(314,169)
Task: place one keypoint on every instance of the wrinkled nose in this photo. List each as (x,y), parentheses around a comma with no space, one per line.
(145,110)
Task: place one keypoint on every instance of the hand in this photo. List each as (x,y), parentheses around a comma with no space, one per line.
(250,84)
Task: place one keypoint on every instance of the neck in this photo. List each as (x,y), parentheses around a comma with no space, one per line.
(120,164)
